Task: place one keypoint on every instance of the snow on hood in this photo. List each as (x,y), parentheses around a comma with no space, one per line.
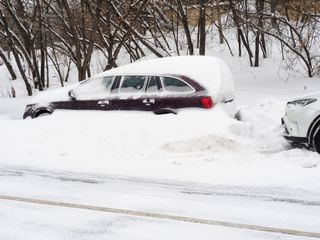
(315,94)
(60,94)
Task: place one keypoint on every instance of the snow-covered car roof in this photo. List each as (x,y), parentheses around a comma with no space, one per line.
(211,72)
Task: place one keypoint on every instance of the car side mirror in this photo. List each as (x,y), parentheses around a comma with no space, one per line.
(72,95)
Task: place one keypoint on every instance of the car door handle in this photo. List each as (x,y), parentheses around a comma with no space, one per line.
(229,100)
(148,101)
(103,103)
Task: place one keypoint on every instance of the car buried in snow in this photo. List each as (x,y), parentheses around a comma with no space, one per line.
(302,121)
(163,85)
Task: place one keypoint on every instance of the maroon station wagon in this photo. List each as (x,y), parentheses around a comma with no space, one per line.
(154,85)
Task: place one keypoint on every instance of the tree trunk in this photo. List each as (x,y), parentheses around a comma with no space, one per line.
(260,8)
(15,54)
(257,47)
(241,36)
(202,28)
(263,45)
(8,65)
(221,37)
(239,43)
(184,20)
(24,77)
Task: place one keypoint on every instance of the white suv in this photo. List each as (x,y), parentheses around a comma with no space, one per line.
(302,121)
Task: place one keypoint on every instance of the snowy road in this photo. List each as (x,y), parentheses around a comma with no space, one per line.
(261,206)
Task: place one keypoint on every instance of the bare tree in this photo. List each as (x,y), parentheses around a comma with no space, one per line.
(15,51)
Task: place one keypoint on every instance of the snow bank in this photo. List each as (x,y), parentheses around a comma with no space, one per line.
(199,146)
(5,83)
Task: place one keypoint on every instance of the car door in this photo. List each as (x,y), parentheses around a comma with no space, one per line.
(154,89)
(177,93)
(131,92)
(93,94)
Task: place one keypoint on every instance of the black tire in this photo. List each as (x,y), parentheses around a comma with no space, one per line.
(316,140)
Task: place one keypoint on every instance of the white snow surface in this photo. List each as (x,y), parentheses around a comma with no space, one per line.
(5,83)
(248,164)
(22,221)
(193,148)
(196,146)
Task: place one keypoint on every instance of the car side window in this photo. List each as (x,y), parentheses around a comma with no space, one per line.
(94,89)
(175,85)
(133,84)
(115,85)
(154,85)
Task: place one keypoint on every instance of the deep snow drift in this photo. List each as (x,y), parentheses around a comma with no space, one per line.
(199,146)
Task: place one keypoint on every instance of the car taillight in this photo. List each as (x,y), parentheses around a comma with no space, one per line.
(207,102)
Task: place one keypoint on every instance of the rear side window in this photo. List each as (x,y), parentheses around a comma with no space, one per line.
(133,84)
(175,85)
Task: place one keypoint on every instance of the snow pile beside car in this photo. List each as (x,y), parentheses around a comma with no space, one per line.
(191,146)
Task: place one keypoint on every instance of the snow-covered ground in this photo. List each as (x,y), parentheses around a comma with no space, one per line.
(263,206)
(200,146)
(38,223)
(191,146)
(203,147)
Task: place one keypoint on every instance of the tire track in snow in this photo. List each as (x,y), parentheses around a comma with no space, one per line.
(162,216)
(194,189)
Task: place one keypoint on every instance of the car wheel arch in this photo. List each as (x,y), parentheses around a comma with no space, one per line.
(42,110)
(162,111)
(312,128)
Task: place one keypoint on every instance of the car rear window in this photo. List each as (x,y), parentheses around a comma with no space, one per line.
(133,84)
(175,85)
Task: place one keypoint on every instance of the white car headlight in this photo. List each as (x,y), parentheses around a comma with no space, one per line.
(301,102)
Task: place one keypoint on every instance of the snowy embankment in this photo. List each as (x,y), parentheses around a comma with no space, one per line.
(197,146)
(5,83)
(191,146)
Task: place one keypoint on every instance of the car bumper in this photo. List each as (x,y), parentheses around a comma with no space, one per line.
(289,135)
